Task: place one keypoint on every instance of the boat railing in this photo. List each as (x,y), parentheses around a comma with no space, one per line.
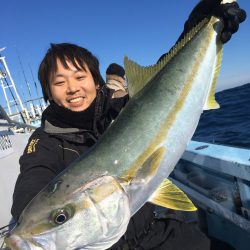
(6,147)
(6,121)
(217,179)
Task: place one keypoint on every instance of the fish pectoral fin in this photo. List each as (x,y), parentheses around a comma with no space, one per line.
(146,171)
(151,165)
(170,196)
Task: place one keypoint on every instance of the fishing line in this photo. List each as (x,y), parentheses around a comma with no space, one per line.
(1,228)
(4,233)
(25,78)
(35,86)
(2,246)
(34,80)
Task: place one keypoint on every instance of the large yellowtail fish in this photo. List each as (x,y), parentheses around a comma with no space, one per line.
(88,206)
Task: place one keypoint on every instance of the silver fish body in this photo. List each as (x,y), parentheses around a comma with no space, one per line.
(89,205)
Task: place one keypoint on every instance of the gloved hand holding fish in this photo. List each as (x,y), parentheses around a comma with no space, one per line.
(89,205)
(229,11)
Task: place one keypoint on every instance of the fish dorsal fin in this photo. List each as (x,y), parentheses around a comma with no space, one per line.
(147,170)
(138,76)
(211,103)
(170,196)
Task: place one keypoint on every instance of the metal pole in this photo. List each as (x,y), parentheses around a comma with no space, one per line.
(12,82)
(5,95)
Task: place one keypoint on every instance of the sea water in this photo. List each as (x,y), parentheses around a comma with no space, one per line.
(230,124)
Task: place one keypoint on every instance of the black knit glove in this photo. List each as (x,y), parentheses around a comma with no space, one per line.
(231,14)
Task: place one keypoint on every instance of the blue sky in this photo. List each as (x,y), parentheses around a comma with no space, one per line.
(140,29)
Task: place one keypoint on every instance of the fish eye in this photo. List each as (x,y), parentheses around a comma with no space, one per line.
(60,216)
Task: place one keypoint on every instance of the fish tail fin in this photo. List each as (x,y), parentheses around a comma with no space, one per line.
(211,103)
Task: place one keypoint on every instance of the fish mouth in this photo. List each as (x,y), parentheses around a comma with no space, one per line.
(15,242)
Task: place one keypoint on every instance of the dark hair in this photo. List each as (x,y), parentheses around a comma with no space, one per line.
(78,56)
(115,69)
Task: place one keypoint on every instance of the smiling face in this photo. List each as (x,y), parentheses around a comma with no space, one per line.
(72,88)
